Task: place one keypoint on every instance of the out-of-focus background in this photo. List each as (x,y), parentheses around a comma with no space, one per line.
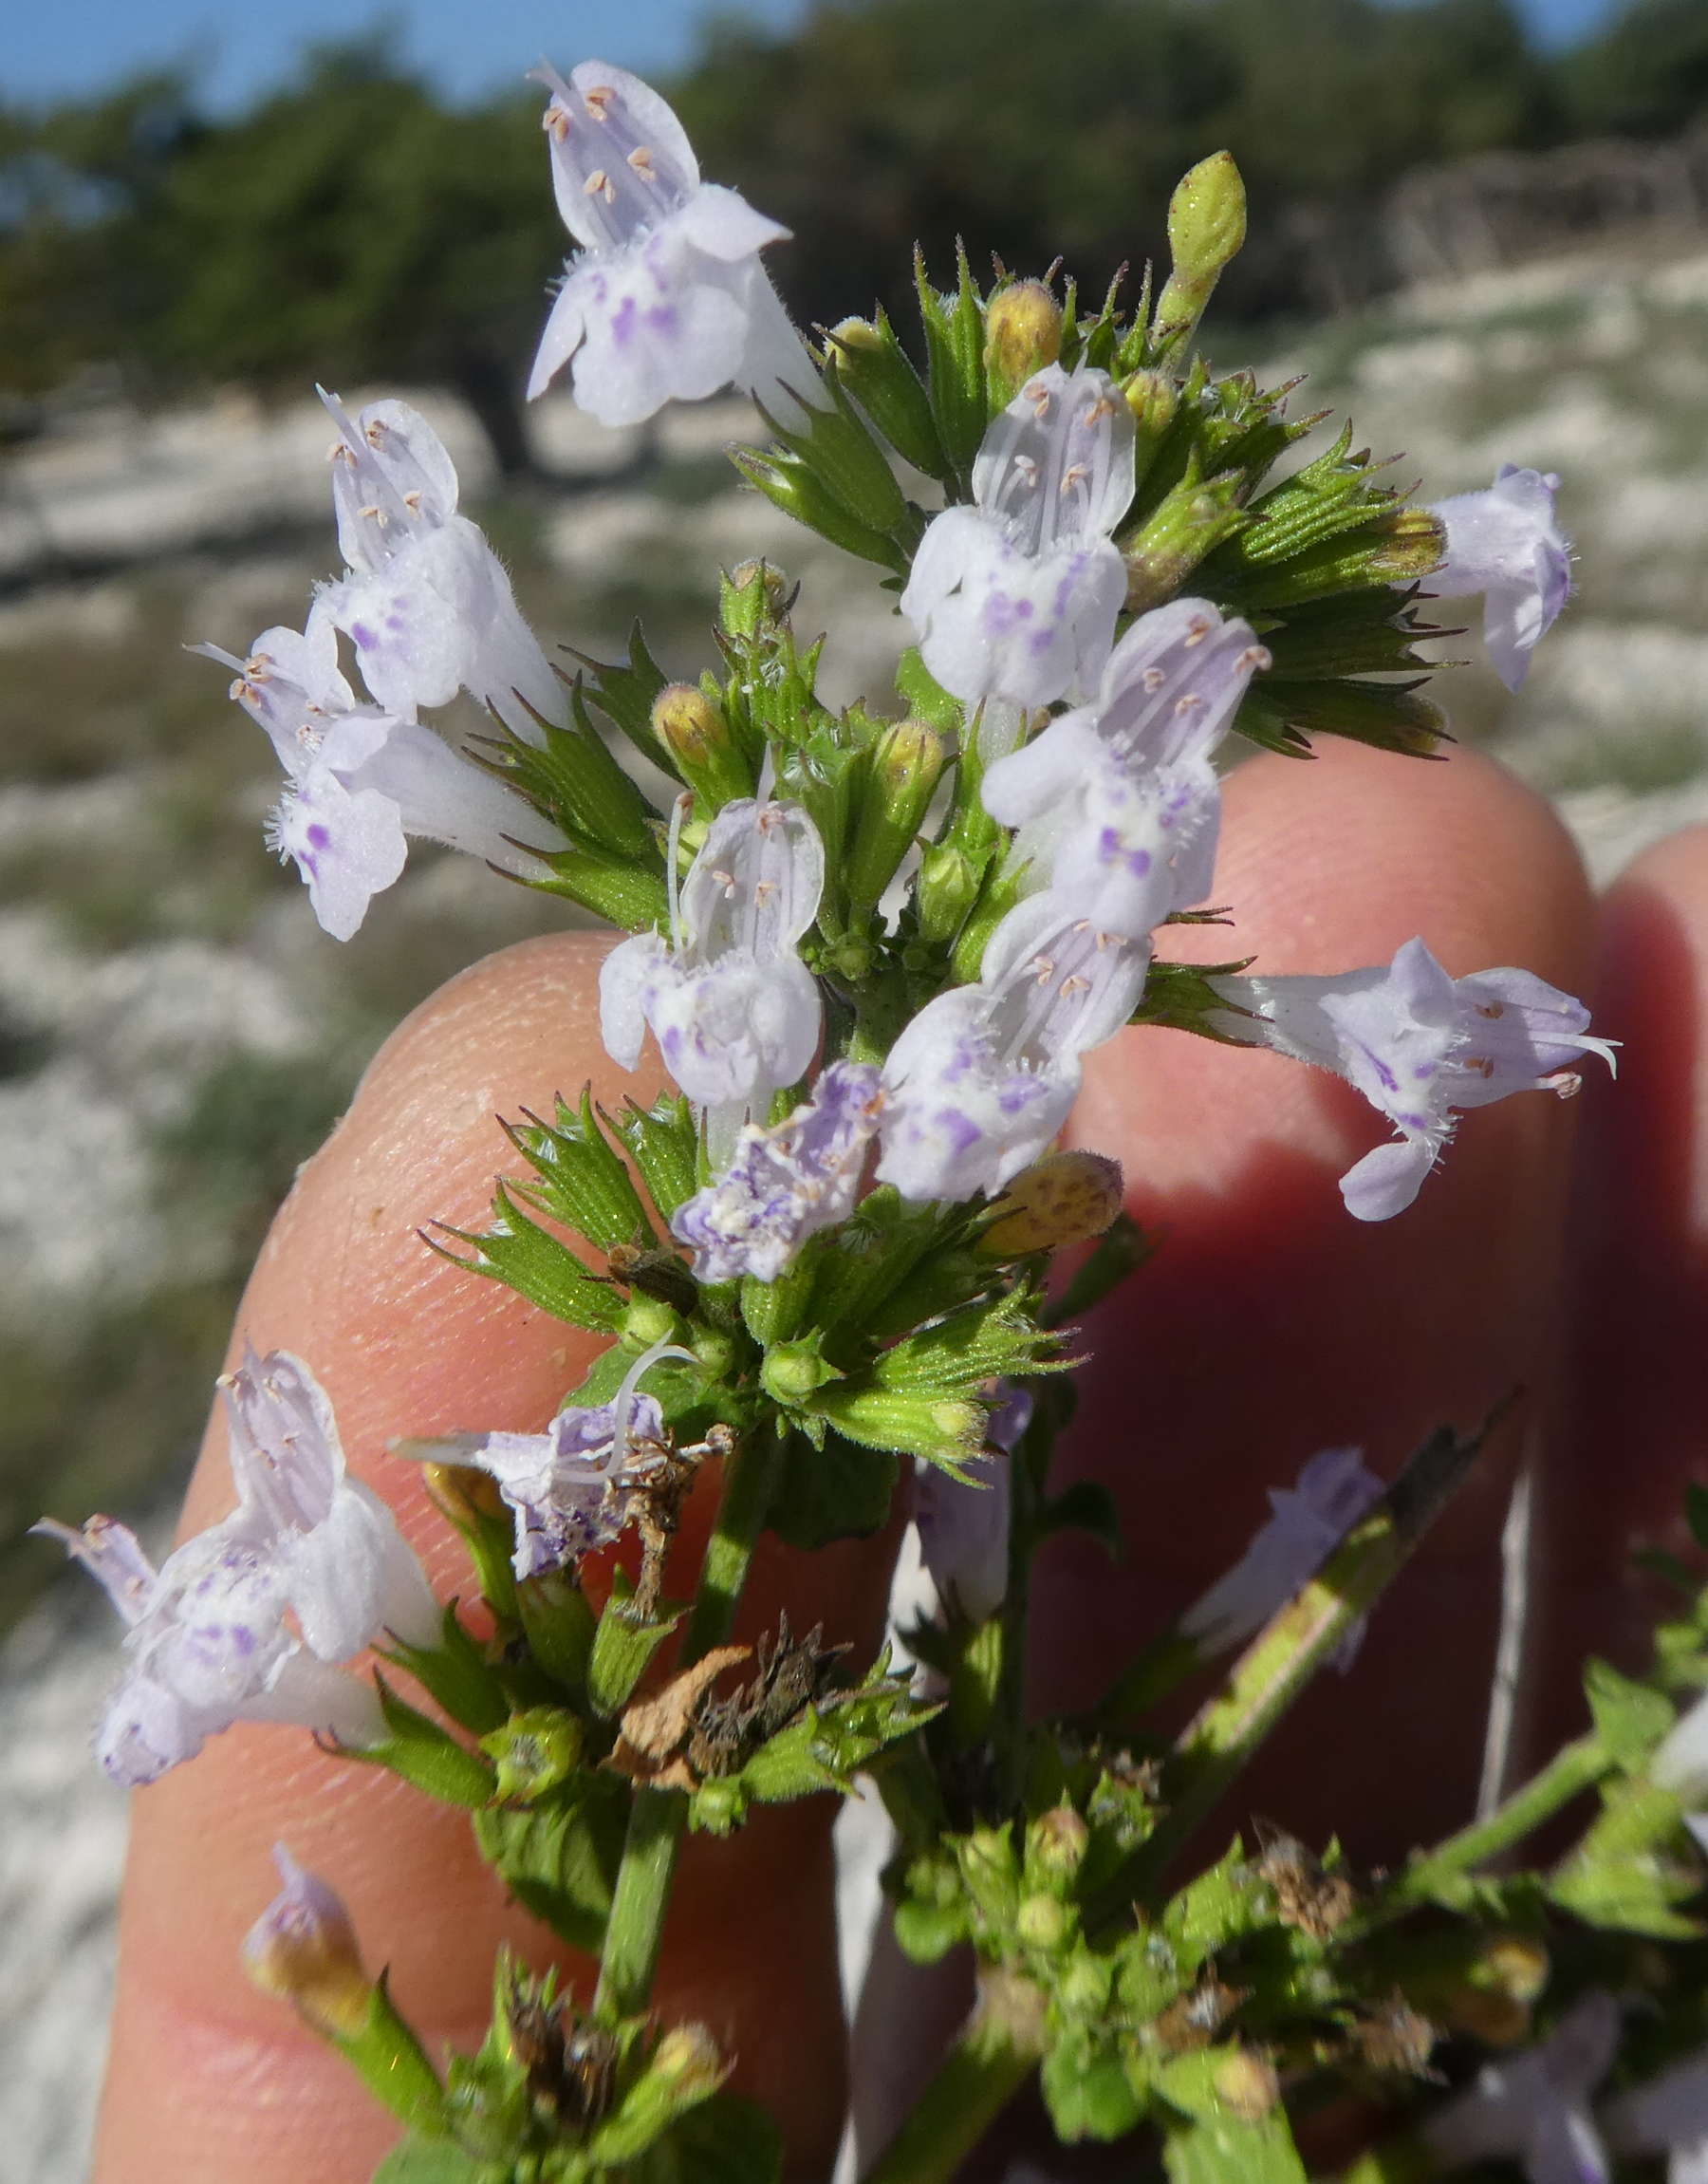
(1481,227)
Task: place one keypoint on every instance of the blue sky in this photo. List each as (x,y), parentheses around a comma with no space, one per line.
(468,46)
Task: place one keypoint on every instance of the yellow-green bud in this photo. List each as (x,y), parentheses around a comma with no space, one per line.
(773,583)
(1154,398)
(1206,226)
(1056,1843)
(795,1371)
(534,1752)
(688,2058)
(649,1319)
(1084,1986)
(857,337)
(904,766)
(948,888)
(1246,2082)
(304,1950)
(693,729)
(1023,333)
(1064,1198)
(464,1494)
(1042,1923)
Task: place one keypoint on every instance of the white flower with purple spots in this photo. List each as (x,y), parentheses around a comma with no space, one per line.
(1117,803)
(1534,2108)
(1504,543)
(1015,598)
(566,1487)
(785,1183)
(1420,1045)
(667,299)
(425,601)
(245,1620)
(736,1012)
(1307,1522)
(981,1080)
(359,780)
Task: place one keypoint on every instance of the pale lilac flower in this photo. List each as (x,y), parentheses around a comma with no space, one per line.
(209,1640)
(1504,543)
(425,601)
(785,1183)
(566,1486)
(1667,2115)
(1118,804)
(963,1526)
(1534,2108)
(667,299)
(1680,1765)
(736,1012)
(979,1083)
(1418,1045)
(359,780)
(1017,597)
(1308,1523)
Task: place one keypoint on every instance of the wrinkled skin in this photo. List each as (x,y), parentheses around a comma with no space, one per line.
(1560,1247)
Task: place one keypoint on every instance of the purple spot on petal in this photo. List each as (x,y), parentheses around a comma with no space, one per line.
(364,638)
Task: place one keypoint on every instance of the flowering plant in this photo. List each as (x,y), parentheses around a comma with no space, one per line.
(873,950)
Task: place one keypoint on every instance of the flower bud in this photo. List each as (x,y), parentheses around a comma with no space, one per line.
(1175,537)
(795,1371)
(1056,1843)
(1023,333)
(1064,1198)
(866,359)
(649,1319)
(948,888)
(687,2060)
(534,1752)
(1085,1984)
(1246,2084)
(1206,226)
(1154,398)
(902,772)
(302,1949)
(1041,1923)
(463,1494)
(693,729)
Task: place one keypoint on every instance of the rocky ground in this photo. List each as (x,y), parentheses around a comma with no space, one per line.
(175,1033)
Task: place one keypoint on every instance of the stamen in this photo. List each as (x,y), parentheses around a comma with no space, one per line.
(641,158)
(1491,1009)
(1152,681)
(1100,409)
(412,500)
(599,184)
(1075,475)
(1040,397)
(557,121)
(597,98)
(1197,633)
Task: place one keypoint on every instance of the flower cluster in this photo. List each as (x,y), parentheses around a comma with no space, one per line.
(248,1620)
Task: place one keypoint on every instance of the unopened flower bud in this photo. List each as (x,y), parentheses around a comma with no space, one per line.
(689,2058)
(903,769)
(1246,2084)
(1056,1843)
(1023,333)
(1084,1986)
(465,1495)
(867,359)
(302,1949)
(1154,398)
(1206,226)
(947,889)
(649,1319)
(534,1752)
(755,592)
(1042,1922)
(1176,537)
(693,729)
(795,1371)
(1064,1198)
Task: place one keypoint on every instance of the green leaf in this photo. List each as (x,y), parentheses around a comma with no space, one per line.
(519,1253)
(1629,1718)
(788,484)
(925,1932)
(559,1857)
(625,694)
(458,1674)
(1387,715)
(422,1753)
(1632,1895)
(925,697)
(431,2161)
(1087,2092)
(954,343)
(583,1181)
(1225,2151)
(840,1491)
(663,1142)
(723,2140)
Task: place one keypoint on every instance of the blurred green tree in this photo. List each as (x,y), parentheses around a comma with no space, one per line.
(1647,75)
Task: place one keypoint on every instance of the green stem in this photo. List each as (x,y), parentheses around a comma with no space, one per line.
(981,2073)
(1574,1769)
(1227,1732)
(658,1819)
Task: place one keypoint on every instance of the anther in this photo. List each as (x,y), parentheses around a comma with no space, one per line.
(1040,397)
(1198,632)
(1075,475)
(597,98)
(597,184)
(1152,680)
(1100,409)
(641,158)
